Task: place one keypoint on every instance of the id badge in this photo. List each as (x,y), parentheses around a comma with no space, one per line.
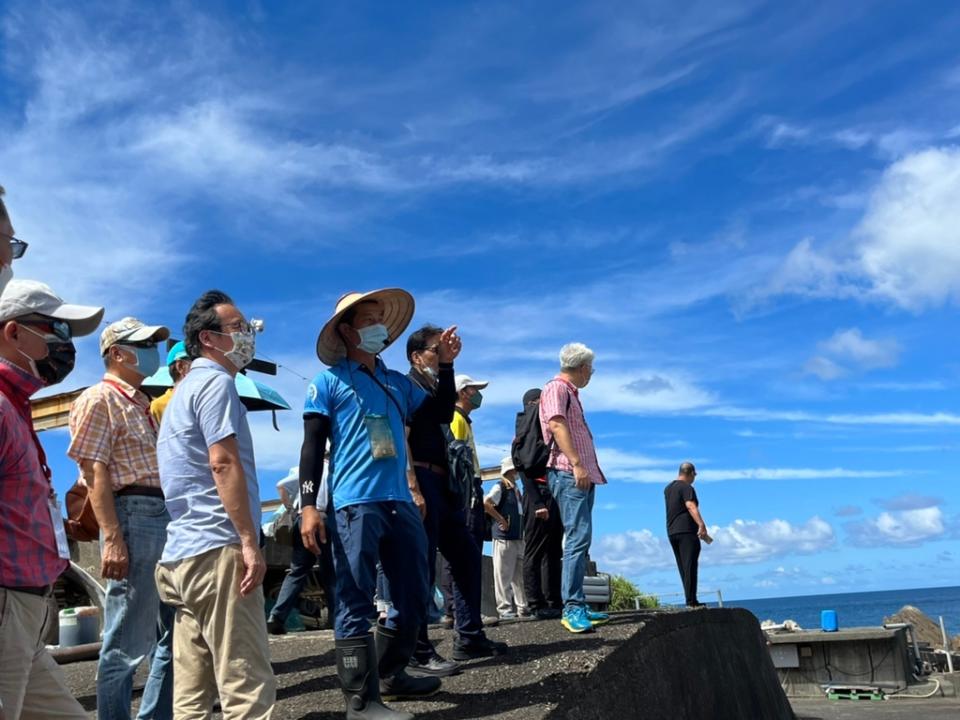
(381,437)
(63,549)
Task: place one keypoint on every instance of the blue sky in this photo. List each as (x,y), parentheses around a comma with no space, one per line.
(748,210)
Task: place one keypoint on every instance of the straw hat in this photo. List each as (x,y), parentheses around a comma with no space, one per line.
(397,312)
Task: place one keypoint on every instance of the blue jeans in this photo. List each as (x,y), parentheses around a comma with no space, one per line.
(158,692)
(392,533)
(576,513)
(131,608)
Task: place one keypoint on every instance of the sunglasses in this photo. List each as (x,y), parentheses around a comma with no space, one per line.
(60,328)
(17,247)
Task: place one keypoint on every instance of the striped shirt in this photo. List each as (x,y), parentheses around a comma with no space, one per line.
(111,423)
(28,547)
(560,399)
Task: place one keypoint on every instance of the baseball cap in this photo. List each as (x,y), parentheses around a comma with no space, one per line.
(30,297)
(130,330)
(465,381)
(177,352)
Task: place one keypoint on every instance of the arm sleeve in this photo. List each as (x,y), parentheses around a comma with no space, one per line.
(316,431)
(688,494)
(553,402)
(495,494)
(438,408)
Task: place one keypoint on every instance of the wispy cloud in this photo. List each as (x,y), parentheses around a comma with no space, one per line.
(904,528)
(708,474)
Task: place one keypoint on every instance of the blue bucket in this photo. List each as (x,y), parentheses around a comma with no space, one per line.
(828,621)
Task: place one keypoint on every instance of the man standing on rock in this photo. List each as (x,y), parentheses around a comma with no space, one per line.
(573,473)
(685,528)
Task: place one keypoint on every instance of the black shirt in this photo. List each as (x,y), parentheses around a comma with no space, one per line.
(427,441)
(679,520)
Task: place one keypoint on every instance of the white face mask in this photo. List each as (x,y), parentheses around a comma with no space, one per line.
(373,338)
(6,275)
(244,348)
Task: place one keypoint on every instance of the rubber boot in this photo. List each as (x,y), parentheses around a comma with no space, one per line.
(358,678)
(394,648)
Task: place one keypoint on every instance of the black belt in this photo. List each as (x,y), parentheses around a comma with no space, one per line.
(140,490)
(42,591)
(435,469)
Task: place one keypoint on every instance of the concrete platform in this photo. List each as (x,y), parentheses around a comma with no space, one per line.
(689,665)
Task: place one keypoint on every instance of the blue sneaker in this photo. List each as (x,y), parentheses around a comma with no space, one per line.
(597,618)
(575,620)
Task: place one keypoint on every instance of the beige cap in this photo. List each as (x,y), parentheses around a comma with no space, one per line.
(465,381)
(506,465)
(130,330)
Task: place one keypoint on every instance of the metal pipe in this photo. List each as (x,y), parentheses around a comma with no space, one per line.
(946,646)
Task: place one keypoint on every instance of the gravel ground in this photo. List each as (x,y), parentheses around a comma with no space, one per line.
(543,664)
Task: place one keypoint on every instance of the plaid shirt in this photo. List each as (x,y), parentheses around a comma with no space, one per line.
(28,547)
(111,423)
(561,399)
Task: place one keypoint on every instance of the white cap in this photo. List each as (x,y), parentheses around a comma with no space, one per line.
(506,465)
(29,297)
(130,330)
(465,381)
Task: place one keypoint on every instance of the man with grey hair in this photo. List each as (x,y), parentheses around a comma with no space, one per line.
(10,247)
(572,473)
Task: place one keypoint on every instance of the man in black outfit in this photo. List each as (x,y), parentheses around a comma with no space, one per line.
(444,521)
(543,542)
(685,528)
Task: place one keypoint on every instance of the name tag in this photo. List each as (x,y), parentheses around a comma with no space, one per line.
(63,548)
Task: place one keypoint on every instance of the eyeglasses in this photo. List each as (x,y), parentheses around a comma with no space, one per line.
(17,247)
(141,344)
(432,348)
(237,326)
(60,328)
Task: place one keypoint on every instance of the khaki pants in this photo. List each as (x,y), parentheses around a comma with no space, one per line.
(219,638)
(508,576)
(31,683)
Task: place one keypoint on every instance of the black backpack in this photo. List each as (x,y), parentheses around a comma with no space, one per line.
(529,452)
(461,467)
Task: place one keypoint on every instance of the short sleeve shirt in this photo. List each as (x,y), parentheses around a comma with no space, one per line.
(561,399)
(347,393)
(205,409)
(111,423)
(679,520)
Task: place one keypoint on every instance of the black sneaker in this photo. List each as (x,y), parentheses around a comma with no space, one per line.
(436,666)
(484,647)
(549,614)
(276,627)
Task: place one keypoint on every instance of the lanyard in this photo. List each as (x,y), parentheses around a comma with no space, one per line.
(133,401)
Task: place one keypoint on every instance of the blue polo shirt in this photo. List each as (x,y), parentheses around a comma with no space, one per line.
(205,410)
(346,393)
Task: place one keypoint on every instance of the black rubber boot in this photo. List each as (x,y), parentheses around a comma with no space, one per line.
(394,648)
(357,670)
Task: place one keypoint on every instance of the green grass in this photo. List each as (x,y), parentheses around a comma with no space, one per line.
(623,594)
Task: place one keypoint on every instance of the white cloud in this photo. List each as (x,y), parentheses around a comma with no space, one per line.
(898,528)
(707,474)
(889,418)
(851,345)
(904,251)
(743,541)
(823,368)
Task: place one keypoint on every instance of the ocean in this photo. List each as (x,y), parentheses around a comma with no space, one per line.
(857,609)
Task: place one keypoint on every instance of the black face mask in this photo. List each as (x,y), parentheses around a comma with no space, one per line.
(58,363)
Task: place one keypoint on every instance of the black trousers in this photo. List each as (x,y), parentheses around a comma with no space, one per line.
(686,549)
(542,552)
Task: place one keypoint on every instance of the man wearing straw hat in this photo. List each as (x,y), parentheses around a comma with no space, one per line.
(363,409)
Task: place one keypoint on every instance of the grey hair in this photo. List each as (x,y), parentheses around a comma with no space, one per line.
(575,355)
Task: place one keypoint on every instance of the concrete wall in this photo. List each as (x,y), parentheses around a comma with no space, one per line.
(694,665)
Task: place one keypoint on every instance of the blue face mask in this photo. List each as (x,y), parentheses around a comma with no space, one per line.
(148,360)
(373,338)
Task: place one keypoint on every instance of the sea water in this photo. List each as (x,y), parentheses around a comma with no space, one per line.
(864,609)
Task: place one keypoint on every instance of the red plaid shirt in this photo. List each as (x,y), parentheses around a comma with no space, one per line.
(561,399)
(28,547)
